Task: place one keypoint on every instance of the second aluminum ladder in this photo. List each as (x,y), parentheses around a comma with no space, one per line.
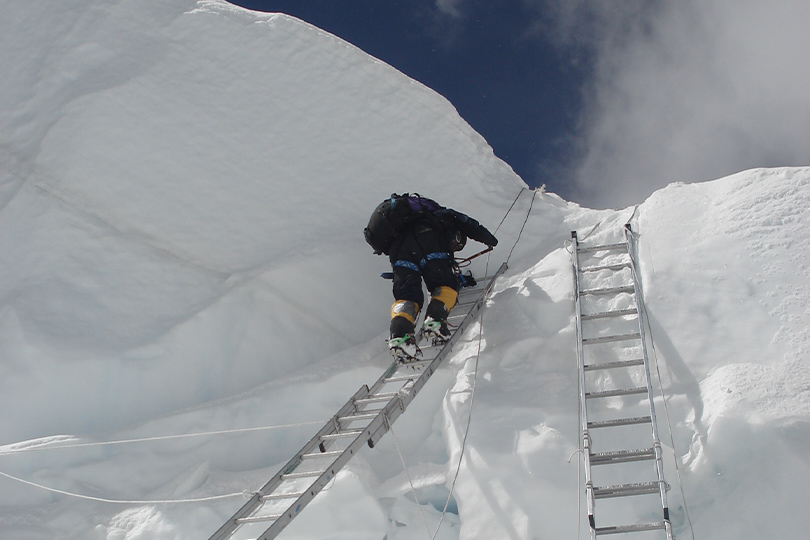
(617,410)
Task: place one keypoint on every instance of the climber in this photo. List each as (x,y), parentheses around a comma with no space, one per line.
(420,238)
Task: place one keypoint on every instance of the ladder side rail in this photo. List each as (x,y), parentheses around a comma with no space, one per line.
(583,413)
(382,422)
(659,461)
(471,316)
(405,398)
(257,500)
(385,417)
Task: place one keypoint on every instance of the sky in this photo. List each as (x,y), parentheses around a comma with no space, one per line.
(488,58)
(602,102)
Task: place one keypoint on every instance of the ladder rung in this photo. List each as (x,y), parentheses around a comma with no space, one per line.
(258,519)
(617,392)
(399,378)
(376,398)
(418,363)
(279,496)
(617,266)
(611,365)
(622,456)
(342,434)
(315,455)
(620,422)
(358,416)
(626,490)
(638,527)
(606,314)
(609,339)
(604,247)
(307,474)
(609,290)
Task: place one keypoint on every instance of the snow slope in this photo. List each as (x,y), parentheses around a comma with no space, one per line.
(182,190)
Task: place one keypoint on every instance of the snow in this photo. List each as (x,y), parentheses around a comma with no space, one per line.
(185,296)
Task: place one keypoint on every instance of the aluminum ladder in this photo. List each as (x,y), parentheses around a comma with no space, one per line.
(614,379)
(364,419)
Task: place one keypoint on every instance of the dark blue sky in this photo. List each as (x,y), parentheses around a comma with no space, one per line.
(503,75)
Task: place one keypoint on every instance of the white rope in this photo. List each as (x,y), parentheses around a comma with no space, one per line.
(10,450)
(666,411)
(472,393)
(410,481)
(579,483)
(463,444)
(467,428)
(477,358)
(531,204)
(117,501)
(510,209)
(591,231)
(671,437)
(131,441)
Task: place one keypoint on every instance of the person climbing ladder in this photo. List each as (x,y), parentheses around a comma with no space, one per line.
(420,238)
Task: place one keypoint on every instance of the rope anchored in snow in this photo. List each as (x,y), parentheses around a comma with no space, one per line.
(10,449)
(474,384)
(117,501)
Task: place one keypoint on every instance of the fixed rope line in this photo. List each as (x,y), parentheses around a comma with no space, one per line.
(463,445)
(486,270)
(666,411)
(131,441)
(467,428)
(151,439)
(671,437)
(117,501)
(528,213)
(410,481)
(477,359)
(475,372)
(579,491)
(510,208)
(472,393)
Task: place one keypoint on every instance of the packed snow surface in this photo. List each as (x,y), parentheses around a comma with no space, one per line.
(186,297)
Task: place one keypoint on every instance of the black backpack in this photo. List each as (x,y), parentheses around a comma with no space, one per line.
(392,215)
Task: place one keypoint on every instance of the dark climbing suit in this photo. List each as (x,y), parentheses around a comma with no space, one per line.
(426,250)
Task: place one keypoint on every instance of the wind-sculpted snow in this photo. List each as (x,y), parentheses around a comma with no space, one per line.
(187,188)
(185,296)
